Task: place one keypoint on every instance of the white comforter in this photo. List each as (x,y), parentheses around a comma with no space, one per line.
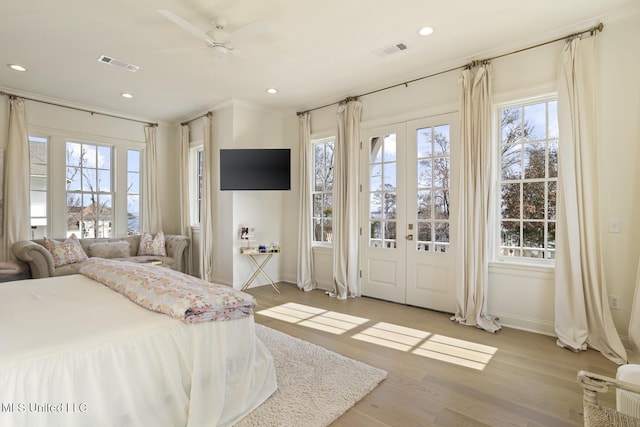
(75,353)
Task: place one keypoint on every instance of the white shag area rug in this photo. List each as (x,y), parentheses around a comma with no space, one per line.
(315,385)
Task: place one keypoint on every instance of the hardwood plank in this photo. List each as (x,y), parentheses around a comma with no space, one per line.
(527,380)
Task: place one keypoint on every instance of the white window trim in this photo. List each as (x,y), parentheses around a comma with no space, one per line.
(56,175)
(542,93)
(194,148)
(320,139)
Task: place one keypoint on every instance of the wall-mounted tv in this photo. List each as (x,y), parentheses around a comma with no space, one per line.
(255,169)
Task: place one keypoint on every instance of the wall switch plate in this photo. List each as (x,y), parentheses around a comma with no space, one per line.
(614,225)
(614,301)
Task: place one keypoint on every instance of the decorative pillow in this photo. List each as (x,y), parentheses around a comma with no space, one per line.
(110,249)
(67,252)
(152,245)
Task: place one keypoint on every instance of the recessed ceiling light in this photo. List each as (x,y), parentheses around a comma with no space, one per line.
(425,31)
(16,67)
(272,90)
(126,95)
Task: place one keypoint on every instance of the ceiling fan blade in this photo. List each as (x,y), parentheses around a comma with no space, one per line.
(185,25)
(249,31)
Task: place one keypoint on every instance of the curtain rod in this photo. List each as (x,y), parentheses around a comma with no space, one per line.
(591,31)
(11,95)
(207,114)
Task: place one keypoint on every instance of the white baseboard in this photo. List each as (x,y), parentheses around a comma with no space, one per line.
(525,324)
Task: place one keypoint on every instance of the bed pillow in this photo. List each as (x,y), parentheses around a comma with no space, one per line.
(110,249)
(67,252)
(152,245)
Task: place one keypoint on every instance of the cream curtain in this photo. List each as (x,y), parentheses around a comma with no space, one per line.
(151,214)
(17,214)
(206,208)
(305,226)
(474,191)
(582,315)
(345,201)
(185,202)
(634,323)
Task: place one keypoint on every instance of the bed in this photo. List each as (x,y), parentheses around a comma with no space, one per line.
(74,352)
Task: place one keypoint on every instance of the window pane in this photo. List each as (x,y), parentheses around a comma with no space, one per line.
(389,176)
(328,232)
(534,203)
(317,230)
(376,149)
(389,205)
(73,179)
(74,154)
(424,232)
(441,140)
(553,119)
(424,142)
(441,204)
(509,233)
(424,173)
(133,183)
(553,159)
(317,205)
(511,162)
(375,206)
(375,230)
(390,230)
(104,180)
(535,119)
(442,232)
(511,125)
(533,234)
(375,177)
(510,208)
(319,155)
(104,157)
(424,204)
(328,205)
(390,148)
(441,172)
(534,161)
(133,160)
(89,180)
(551,210)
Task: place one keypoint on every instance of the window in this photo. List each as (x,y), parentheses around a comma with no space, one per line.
(133,192)
(528,179)
(382,191)
(433,154)
(38,186)
(322,193)
(196,175)
(89,190)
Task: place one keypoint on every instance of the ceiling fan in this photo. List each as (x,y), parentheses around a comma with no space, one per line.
(218,39)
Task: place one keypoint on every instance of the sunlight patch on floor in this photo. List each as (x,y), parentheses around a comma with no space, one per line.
(425,344)
(313,317)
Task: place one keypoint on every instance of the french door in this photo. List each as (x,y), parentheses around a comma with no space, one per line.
(406,213)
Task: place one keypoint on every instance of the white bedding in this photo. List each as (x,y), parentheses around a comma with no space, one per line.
(75,353)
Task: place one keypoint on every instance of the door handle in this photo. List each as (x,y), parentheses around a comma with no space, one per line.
(409,236)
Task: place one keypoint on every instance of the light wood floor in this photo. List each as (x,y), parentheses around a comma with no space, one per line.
(528,381)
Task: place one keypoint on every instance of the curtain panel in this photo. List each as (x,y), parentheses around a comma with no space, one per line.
(17,212)
(345,200)
(474,213)
(151,213)
(582,314)
(185,200)
(206,208)
(305,280)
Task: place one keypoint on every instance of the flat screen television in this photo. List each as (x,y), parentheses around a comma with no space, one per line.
(255,169)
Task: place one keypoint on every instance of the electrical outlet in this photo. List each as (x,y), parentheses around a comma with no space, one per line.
(614,301)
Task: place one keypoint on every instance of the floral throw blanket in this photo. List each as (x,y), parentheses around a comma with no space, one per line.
(171,292)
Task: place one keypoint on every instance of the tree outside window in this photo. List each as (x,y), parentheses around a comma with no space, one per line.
(528,180)
(89,190)
(322,216)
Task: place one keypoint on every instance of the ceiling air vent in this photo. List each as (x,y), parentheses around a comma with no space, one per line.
(389,50)
(111,61)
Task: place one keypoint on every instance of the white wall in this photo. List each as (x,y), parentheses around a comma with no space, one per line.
(522,296)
